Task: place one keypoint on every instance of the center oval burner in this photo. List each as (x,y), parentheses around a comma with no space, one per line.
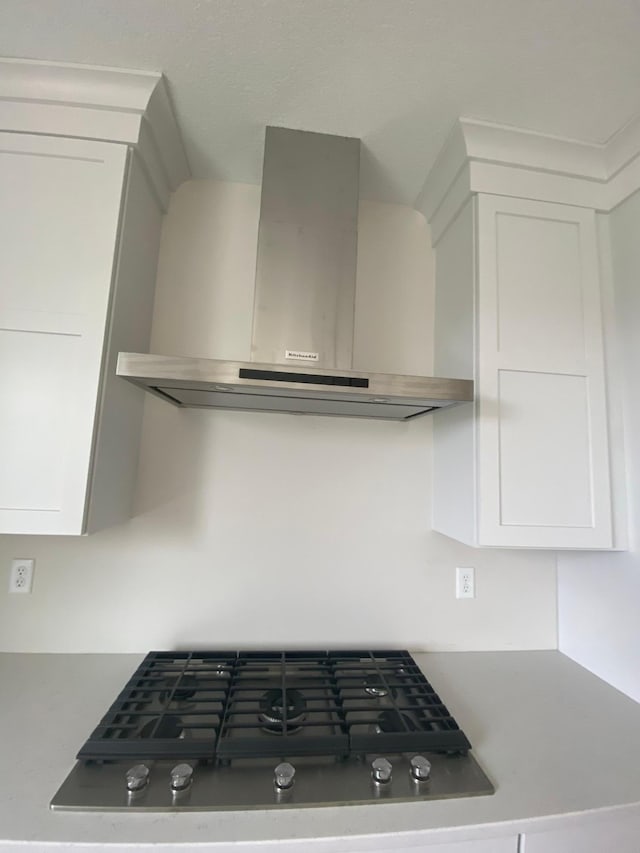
(375,686)
(178,690)
(273,704)
(392,722)
(170,726)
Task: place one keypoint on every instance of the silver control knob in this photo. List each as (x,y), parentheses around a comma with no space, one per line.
(181,777)
(381,770)
(137,777)
(283,775)
(420,768)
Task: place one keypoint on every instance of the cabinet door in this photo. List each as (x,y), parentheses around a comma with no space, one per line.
(542,451)
(59,212)
(503,844)
(619,834)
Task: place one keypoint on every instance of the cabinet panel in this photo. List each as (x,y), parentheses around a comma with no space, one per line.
(544,444)
(58,222)
(618,834)
(504,844)
(454,436)
(47,377)
(59,216)
(33,447)
(528,465)
(115,455)
(539,288)
(542,453)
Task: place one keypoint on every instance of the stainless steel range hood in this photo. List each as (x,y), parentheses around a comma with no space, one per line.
(303,317)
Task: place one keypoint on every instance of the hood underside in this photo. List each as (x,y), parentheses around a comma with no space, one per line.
(214,384)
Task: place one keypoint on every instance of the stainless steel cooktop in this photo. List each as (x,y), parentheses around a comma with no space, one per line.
(209,730)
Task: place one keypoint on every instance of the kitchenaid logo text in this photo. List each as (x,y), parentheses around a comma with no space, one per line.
(299,355)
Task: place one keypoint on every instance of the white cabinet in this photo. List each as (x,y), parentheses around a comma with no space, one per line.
(518,309)
(503,844)
(619,833)
(506,844)
(80,232)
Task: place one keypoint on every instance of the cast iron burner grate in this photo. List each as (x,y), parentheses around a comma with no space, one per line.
(225,705)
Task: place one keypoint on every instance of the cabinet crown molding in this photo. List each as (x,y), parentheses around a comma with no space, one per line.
(483,157)
(132,108)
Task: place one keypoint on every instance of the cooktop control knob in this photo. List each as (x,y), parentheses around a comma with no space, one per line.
(283,775)
(137,777)
(381,770)
(181,776)
(420,768)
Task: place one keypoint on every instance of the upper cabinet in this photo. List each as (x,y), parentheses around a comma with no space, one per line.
(518,281)
(80,221)
(74,280)
(520,299)
(59,219)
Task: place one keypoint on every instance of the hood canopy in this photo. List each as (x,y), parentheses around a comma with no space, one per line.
(303,316)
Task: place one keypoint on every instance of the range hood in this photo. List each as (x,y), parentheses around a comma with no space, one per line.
(303,317)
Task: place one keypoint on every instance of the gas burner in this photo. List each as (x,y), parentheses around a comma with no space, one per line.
(186,690)
(272,710)
(374,686)
(391,721)
(169,727)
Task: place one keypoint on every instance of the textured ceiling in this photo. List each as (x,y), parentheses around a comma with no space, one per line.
(396,73)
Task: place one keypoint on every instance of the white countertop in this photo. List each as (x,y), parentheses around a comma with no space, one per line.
(554,739)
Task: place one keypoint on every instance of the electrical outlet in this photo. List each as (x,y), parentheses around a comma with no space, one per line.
(21,578)
(465,583)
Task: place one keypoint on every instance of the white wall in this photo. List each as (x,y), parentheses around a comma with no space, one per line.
(265,530)
(599,594)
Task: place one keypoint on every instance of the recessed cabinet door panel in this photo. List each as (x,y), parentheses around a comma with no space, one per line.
(40,425)
(59,213)
(542,453)
(539,289)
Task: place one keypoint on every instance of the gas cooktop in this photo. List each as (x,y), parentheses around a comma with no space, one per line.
(238,730)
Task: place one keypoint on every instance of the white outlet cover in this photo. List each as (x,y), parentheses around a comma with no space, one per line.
(465,582)
(21,577)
